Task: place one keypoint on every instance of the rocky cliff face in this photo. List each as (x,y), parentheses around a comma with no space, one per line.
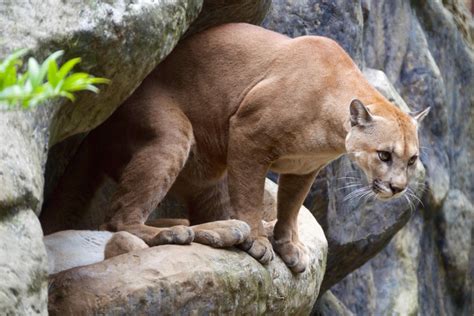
(425,49)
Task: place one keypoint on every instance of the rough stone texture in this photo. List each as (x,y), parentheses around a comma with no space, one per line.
(328,304)
(455,219)
(426,53)
(215,12)
(122,42)
(74,248)
(195,279)
(23,273)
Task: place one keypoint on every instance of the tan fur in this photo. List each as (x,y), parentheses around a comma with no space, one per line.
(228,105)
(123,242)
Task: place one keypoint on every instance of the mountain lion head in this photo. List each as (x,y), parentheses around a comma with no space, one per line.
(384,143)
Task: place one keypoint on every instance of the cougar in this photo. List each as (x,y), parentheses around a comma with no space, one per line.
(225,107)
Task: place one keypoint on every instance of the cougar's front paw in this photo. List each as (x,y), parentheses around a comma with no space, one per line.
(293,254)
(181,235)
(260,248)
(221,234)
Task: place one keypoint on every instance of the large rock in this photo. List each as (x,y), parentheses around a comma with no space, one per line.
(23,286)
(215,12)
(122,42)
(455,219)
(177,280)
(68,249)
(425,49)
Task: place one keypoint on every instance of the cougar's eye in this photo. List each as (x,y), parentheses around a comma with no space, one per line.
(412,160)
(385,156)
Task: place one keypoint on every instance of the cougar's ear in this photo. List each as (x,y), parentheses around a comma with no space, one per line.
(420,115)
(360,114)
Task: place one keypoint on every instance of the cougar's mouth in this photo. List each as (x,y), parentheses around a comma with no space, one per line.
(380,190)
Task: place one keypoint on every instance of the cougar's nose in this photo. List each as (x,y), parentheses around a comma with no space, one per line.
(395,189)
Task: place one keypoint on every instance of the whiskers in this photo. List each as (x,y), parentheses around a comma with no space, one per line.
(412,199)
(364,193)
(352,182)
(359,191)
(410,203)
(410,193)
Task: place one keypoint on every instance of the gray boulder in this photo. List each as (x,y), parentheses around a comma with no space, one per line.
(23,289)
(68,249)
(215,12)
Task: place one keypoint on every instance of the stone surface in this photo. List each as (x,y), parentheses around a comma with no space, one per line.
(74,248)
(23,265)
(122,42)
(328,304)
(455,219)
(194,279)
(425,51)
(215,12)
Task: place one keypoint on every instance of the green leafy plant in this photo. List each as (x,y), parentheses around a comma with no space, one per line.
(41,82)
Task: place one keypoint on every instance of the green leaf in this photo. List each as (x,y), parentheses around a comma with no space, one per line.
(30,88)
(22,79)
(92,88)
(68,95)
(10,77)
(12,92)
(53,73)
(34,72)
(27,88)
(75,80)
(98,80)
(12,59)
(67,67)
(51,59)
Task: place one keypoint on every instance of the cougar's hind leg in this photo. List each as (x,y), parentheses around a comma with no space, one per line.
(68,205)
(211,208)
(149,175)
